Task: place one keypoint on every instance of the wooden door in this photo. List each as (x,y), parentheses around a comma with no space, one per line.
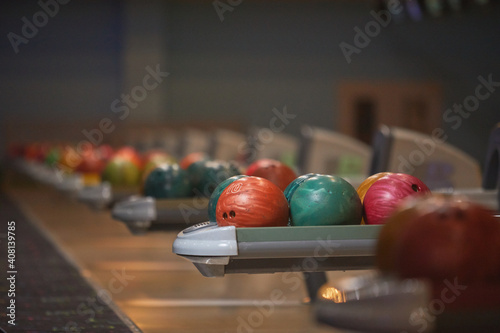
(365,105)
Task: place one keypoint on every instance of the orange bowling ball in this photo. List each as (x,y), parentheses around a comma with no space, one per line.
(252,202)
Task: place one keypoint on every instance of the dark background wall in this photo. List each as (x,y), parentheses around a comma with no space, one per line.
(263,55)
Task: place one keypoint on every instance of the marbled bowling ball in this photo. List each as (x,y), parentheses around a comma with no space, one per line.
(167,181)
(214,198)
(316,199)
(205,175)
(252,202)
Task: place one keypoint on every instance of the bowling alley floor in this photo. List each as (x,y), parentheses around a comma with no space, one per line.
(157,290)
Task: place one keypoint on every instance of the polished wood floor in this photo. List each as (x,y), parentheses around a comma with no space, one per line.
(159,291)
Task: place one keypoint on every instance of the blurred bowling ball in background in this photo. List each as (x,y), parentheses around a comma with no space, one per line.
(167,181)
(53,156)
(323,200)
(365,185)
(189,159)
(129,153)
(386,193)
(439,238)
(275,171)
(205,175)
(153,159)
(105,151)
(123,168)
(91,162)
(156,155)
(214,198)
(391,232)
(252,202)
(70,158)
(36,151)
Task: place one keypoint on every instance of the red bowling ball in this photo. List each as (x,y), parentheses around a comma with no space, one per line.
(252,202)
(277,172)
(91,161)
(191,158)
(450,239)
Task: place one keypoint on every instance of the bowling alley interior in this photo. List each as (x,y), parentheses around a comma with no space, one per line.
(250,166)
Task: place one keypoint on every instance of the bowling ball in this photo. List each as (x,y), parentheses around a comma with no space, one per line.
(129,153)
(36,151)
(191,158)
(154,159)
(105,151)
(205,175)
(387,192)
(214,198)
(391,232)
(123,169)
(156,155)
(167,181)
(317,199)
(447,238)
(53,156)
(290,189)
(30,152)
(275,171)
(91,162)
(70,159)
(365,185)
(252,202)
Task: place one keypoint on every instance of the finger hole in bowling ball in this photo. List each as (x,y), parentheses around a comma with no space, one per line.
(232,214)
(415,187)
(224,216)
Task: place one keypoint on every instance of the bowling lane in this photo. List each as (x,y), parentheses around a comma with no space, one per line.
(158,290)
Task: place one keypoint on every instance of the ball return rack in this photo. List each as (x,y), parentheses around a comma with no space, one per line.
(216,251)
(104,195)
(143,214)
(64,182)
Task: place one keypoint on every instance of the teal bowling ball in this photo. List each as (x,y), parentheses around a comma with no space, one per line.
(323,200)
(195,172)
(290,189)
(206,175)
(167,181)
(214,198)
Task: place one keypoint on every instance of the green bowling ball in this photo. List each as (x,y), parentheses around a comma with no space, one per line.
(195,172)
(206,175)
(290,189)
(316,199)
(53,157)
(212,203)
(167,181)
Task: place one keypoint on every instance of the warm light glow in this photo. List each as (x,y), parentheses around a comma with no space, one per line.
(333,294)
